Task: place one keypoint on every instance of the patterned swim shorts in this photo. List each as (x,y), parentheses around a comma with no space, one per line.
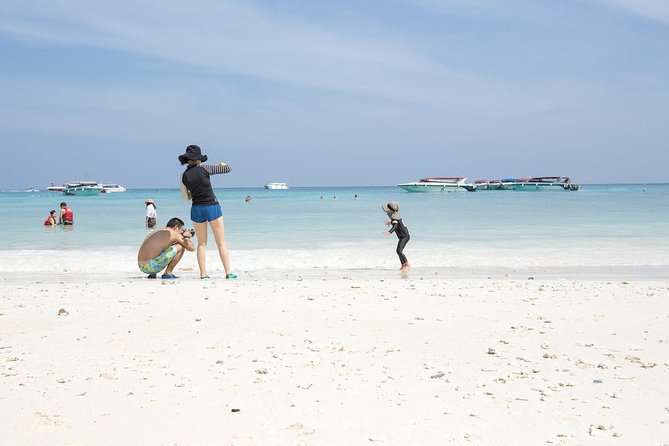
(159,263)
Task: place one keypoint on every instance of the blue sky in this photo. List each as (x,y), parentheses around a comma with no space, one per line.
(326,93)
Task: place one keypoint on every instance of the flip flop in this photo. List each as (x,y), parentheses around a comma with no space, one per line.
(168,276)
(204,277)
(151,276)
(231,276)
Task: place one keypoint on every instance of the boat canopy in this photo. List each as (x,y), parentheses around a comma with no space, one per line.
(442,179)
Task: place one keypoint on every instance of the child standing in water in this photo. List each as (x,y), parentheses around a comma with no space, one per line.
(398,227)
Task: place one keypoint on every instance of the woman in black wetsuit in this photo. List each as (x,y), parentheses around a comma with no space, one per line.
(195,185)
(397,226)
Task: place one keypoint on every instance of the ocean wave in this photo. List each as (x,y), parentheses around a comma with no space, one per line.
(381,256)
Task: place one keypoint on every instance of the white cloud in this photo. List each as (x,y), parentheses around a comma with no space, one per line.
(234,38)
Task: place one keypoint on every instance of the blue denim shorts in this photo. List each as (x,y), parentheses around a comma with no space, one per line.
(201,213)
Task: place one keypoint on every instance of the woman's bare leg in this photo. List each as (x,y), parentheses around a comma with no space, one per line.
(218,228)
(201,234)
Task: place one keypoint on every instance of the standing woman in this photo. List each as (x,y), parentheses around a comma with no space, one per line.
(196,185)
(151,214)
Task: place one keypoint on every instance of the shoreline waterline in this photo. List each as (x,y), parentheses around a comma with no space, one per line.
(620,274)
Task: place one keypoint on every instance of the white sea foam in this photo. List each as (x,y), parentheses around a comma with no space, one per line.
(372,256)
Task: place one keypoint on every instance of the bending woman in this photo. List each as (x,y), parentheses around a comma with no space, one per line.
(196,185)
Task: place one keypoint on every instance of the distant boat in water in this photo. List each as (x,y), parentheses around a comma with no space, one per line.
(32,189)
(276,186)
(110,187)
(503,184)
(439,184)
(529,184)
(545,184)
(83,188)
(53,188)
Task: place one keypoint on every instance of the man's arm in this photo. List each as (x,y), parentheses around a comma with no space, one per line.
(216,169)
(184,239)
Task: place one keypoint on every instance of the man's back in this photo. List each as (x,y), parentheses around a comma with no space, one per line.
(154,244)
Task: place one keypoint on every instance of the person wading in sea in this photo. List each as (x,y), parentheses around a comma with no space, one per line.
(66,215)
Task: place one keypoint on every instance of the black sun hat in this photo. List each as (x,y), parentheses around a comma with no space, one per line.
(193,153)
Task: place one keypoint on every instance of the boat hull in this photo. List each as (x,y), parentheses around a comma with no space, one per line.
(112,189)
(82,191)
(488,186)
(276,186)
(539,187)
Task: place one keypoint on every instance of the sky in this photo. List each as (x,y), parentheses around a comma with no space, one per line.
(333,93)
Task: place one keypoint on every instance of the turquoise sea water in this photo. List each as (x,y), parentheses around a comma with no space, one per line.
(599,220)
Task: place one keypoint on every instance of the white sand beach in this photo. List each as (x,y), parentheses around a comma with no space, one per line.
(333,358)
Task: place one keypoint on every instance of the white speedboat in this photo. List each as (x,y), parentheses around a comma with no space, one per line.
(542,184)
(503,184)
(439,184)
(111,187)
(85,188)
(276,186)
(53,188)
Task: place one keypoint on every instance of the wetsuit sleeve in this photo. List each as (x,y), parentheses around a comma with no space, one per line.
(393,227)
(216,169)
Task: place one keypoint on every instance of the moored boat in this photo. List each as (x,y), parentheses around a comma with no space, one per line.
(543,184)
(484,184)
(276,186)
(502,184)
(53,188)
(84,188)
(439,184)
(111,187)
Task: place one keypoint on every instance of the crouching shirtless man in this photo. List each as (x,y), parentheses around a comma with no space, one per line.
(162,249)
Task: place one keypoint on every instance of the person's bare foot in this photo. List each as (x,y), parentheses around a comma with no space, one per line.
(405,267)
